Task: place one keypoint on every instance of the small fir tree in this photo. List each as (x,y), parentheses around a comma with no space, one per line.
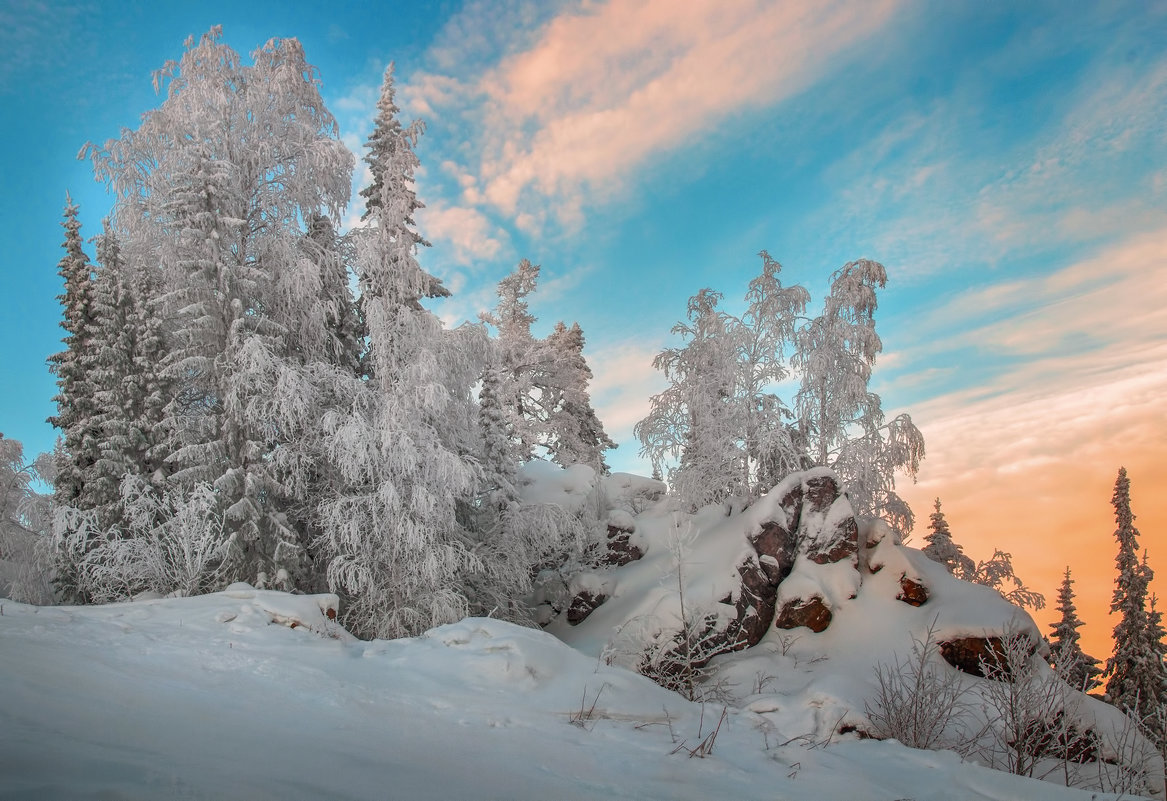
(1076,667)
(943,549)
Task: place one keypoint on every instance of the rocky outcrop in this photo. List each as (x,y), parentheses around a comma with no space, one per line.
(620,550)
(972,654)
(912,591)
(582,605)
(812,613)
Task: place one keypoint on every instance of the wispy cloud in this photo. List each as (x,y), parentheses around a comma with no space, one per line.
(938,188)
(600,90)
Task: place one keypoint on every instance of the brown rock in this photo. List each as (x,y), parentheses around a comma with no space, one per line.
(968,654)
(583,605)
(814,614)
(620,550)
(912,591)
(832,545)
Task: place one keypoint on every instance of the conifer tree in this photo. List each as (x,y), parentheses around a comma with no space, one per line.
(76,408)
(391,530)
(222,212)
(1135,679)
(1076,667)
(576,434)
(123,364)
(941,547)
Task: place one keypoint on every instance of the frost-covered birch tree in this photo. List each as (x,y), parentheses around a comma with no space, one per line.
(214,186)
(842,420)
(721,418)
(541,385)
(693,421)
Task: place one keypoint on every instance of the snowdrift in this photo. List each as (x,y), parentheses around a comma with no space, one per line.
(248,694)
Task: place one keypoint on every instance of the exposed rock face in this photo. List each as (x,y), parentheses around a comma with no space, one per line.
(583,605)
(912,591)
(813,614)
(620,550)
(826,524)
(969,654)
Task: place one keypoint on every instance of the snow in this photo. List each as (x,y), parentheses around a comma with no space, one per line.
(220,696)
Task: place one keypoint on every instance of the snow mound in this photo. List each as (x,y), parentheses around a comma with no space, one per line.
(220,696)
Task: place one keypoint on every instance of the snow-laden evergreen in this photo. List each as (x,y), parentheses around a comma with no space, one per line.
(943,549)
(221,212)
(1079,669)
(1137,678)
(76,406)
(390,530)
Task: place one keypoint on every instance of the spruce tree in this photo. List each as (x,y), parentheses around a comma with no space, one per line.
(391,529)
(576,434)
(76,408)
(1076,667)
(943,549)
(1135,670)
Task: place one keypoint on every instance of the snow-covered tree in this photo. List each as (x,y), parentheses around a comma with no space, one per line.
(541,387)
(1134,682)
(1075,666)
(842,420)
(24,523)
(76,407)
(123,366)
(943,549)
(215,186)
(694,420)
(519,366)
(391,529)
(997,572)
(576,434)
(770,443)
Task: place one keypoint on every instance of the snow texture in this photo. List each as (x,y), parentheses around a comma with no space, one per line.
(256,694)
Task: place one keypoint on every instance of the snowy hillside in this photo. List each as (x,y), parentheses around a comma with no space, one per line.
(249,694)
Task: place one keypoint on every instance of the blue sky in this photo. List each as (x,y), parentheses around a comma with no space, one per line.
(1007,162)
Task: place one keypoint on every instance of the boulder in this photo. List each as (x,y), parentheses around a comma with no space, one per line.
(912,591)
(583,605)
(970,654)
(813,613)
(620,550)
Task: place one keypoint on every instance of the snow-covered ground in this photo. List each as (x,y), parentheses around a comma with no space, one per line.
(221,696)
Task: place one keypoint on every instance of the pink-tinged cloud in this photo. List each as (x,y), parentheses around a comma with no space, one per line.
(606,87)
(467,231)
(1027,463)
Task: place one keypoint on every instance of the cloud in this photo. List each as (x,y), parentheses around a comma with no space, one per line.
(468,232)
(624,381)
(600,90)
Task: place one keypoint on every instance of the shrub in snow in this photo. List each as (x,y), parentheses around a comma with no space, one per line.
(172,542)
(921,701)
